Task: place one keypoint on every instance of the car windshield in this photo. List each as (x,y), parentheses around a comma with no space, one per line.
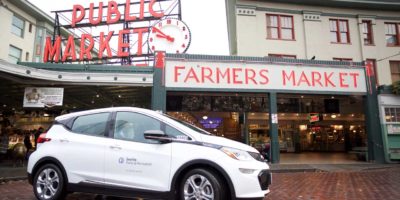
(193,127)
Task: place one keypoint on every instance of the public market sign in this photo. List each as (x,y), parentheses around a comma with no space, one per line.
(97,16)
(240,75)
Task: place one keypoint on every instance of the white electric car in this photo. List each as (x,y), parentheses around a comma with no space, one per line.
(133,152)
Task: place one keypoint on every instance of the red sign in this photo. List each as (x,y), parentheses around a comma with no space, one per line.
(109,14)
(315,117)
(238,75)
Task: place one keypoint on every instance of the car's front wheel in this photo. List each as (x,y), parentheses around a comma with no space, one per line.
(201,184)
(48,183)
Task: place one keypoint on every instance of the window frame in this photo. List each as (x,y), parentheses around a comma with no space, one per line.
(20,53)
(338,31)
(163,127)
(13,25)
(391,72)
(106,128)
(397,26)
(279,27)
(369,33)
(396,117)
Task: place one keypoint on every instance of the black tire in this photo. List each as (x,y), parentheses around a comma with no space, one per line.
(213,185)
(48,183)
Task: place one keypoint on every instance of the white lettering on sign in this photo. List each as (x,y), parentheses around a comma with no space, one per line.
(187,74)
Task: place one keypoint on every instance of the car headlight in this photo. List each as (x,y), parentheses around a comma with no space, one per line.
(236,154)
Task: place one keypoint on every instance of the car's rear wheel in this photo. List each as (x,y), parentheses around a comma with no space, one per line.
(48,183)
(201,184)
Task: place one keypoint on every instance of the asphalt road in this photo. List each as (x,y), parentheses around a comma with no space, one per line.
(374,184)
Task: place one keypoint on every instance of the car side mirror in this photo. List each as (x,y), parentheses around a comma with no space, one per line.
(157,135)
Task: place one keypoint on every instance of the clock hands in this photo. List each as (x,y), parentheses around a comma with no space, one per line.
(162,34)
(169,38)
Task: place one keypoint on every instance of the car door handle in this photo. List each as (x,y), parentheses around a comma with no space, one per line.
(64,140)
(116,147)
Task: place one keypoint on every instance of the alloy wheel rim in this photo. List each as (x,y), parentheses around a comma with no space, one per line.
(47,184)
(198,187)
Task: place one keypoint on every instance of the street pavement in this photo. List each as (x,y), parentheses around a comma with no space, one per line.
(373,184)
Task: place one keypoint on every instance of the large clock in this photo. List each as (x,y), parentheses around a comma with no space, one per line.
(169,35)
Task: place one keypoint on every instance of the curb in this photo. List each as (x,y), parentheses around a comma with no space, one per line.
(17,178)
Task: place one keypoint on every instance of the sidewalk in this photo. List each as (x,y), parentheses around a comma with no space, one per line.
(291,168)
(9,172)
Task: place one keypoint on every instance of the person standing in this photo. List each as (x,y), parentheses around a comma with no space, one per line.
(4,140)
(37,134)
(28,144)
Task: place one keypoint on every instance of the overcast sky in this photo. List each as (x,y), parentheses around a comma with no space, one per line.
(205,18)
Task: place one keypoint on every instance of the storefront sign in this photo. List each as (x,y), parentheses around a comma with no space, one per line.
(393,128)
(98,15)
(43,97)
(314,117)
(274,118)
(213,75)
(211,122)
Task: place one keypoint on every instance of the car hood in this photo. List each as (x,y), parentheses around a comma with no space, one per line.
(227,143)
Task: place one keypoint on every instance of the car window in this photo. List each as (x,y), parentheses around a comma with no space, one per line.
(131,126)
(94,124)
(174,133)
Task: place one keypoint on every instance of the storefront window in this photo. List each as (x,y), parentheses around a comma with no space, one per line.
(217,103)
(320,123)
(392,114)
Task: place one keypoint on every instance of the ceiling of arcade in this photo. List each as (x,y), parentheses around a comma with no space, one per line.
(76,97)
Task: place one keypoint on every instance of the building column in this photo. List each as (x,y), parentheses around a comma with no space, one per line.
(372,121)
(273,127)
(159,93)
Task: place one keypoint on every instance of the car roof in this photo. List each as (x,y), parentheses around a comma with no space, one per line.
(100,110)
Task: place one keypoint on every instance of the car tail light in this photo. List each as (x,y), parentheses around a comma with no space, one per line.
(42,138)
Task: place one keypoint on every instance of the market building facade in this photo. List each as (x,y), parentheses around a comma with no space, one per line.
(293,105)
(351,31)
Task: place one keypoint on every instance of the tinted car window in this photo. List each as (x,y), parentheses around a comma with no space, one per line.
(94,124)
(174,133)
(131,126)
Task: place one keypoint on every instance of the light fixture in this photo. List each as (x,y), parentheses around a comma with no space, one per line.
(215,130)
(352,115)
(303,127)
(205,117)
(302,96)
(333,116)
(119,96)
(332,97)
(97,95)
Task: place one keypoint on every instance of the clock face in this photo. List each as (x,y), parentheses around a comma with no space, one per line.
(169,35)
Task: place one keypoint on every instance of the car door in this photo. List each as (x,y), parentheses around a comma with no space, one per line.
(83,148)
(134,162)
